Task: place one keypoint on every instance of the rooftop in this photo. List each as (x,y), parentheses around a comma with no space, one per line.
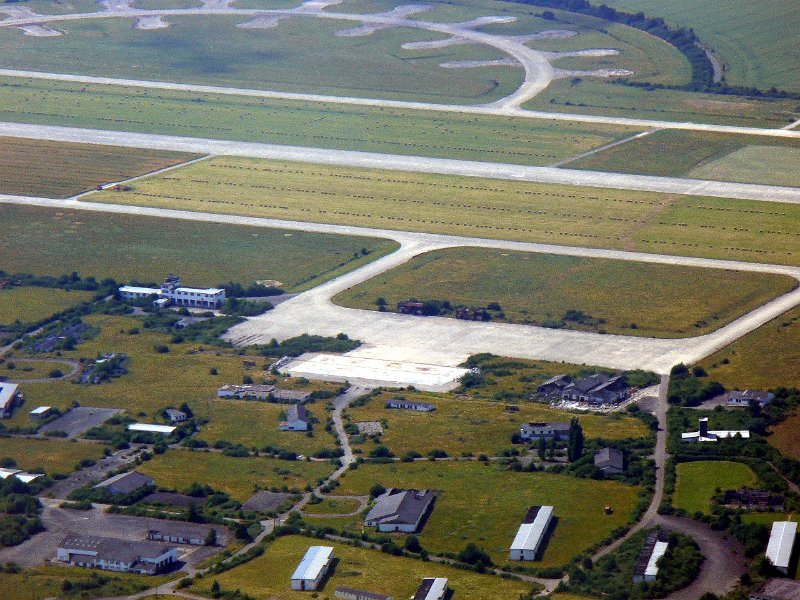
(432,588)
(533,528)
(401,506)
(781,542)
(315,560)
(40,410)
(165,429)
(133,289)
(659,550)
(115,550)
(609,457)
(125,483)
(7,393)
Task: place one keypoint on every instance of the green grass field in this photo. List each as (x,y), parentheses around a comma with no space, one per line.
(31,304)
(763,359)
(661,300)
(333,506)
(375,66)
(698,481)
(60,170)
(569,215)
(48,456)
(470,425)
(31,369)
(757,42)
(703,155)
(588,96)
(268,576)
(388,130)
(238,477)
(52,242)
(468,491)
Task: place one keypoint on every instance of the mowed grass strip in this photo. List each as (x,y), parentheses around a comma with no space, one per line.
(485,505)
(30,304)
(49,241)
(321,125)
(269,575)
(238,477)
(626,297)
(763,359)
(51,456)
(61,169)
(460,425)
(487,208)
(698,481)
(700,154)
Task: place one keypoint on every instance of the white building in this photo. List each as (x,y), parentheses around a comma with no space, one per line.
(148,428)
(171,292)
(40,412)
(400,510)
(548,431)
(781,543)
(8,399)
(21,475)
(111,554)
(531,533)
(655,546)
(296,419)
(259,392)
(431,589)
(704,435)
(312,568)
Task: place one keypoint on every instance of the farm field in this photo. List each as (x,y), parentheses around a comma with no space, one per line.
(47,241)
(387,130)
(30,304)
(763,359)
(51,456)
(757,43)
(463,425)
(704,155)
(238,477)
(267,576)
(459,516)
(697,482)
(569,215)
(60,170)
(605,98)
(618,296)
(158,380)
(325,63)
(786,435)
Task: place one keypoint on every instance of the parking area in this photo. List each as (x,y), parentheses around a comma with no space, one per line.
(79,420)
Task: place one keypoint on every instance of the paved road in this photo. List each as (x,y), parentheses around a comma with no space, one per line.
(449,342)
(416,164)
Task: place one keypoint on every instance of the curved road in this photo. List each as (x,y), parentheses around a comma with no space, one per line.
(415,164)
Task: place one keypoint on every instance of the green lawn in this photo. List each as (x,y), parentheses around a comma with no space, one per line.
(60,170)
(763,359)
(268,575)
(238,477)
(333,506)
(373,66)
(698,481)
(660,300)
(48,456)
(387,130)
(470,425)
(31,304)
(49,241)
(483,504)
(757,42)
(570,215)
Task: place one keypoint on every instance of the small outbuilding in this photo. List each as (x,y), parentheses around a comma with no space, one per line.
(296,419)
(313,568)
(610,461)
(175,416)
(126,483)
(531,533)
(432,589)
(150,428)
(41,412)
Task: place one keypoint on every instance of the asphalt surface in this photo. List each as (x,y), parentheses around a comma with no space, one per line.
(415,164)
(449,342)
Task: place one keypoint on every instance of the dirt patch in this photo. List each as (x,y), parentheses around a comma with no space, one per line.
(39,31)
(261,23)
(151,22)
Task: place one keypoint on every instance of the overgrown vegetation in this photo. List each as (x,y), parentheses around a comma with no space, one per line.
(308,343)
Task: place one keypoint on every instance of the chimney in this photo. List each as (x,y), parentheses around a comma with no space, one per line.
(704,427)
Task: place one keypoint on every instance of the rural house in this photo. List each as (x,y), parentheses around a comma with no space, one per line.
(290,396)
(597,389)
(403,404)
(610,461)
(548,431)
(175,416)
(737,399)
(400,510)
(312,568)
(126,483)
(554,385)
(296,419)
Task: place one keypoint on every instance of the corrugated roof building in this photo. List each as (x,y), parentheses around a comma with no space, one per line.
(312,568)
(781,544)
(531,533)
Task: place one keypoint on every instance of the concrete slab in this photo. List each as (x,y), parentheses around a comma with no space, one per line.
(376,371)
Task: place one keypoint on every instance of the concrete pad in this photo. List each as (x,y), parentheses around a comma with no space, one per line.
(375,371)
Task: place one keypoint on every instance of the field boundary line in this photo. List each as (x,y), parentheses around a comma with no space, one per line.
(635,136)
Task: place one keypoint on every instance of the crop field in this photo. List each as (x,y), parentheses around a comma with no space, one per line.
(460,425)
(586,96)
(388,130)
(786,436)
(763,359)
(255,425)
(704,155)
(267,576)
(569,215)
(375,66)
(238,477)
(757,42)
(60,170)
(48,241)
(541,288)
(461,506)
(31,304)
(157,380)
(698,481)
(48,456)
